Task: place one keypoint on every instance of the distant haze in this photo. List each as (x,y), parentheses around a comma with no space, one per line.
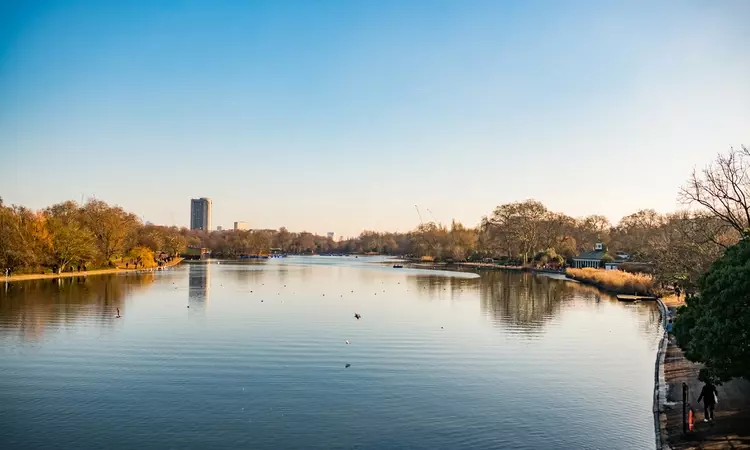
(341,116)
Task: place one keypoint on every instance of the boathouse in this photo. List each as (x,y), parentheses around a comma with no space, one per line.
(590,259)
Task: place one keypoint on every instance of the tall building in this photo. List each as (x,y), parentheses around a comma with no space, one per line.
(241,226)
(200,214)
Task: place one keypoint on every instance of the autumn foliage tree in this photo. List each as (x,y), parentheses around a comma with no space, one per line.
(113,228)
(68,234)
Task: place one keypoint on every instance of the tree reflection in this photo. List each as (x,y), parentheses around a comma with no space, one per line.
(31,306)
(526,301)
(520,300)
(249,272)
(436,285)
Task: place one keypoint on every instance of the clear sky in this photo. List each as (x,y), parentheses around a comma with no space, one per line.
(342,115)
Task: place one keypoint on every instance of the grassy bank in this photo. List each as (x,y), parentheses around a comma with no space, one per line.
(614,281)
(40,276)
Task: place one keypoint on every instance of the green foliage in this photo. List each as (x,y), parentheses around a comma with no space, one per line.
(714,327)
(548,257)
(540,257)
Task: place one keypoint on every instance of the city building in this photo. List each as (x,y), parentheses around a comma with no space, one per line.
(218,228)
(330,234)
(241,226)
(200,214)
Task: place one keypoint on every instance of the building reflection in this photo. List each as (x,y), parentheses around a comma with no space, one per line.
(199,285)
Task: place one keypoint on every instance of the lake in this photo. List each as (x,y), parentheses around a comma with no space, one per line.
(255,355)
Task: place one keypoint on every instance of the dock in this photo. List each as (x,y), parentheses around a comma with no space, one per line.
(634,298)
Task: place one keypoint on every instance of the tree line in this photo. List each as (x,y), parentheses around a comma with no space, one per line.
(676,246)
(705,249)
(68,235)
(712,327)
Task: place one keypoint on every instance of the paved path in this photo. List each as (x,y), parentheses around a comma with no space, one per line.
(39,276)
(731,427)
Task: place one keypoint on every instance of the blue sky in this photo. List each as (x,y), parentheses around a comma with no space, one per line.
(341,116)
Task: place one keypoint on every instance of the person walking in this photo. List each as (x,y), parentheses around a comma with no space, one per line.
(710,398)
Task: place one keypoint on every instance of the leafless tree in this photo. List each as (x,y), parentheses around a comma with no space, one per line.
(723,188)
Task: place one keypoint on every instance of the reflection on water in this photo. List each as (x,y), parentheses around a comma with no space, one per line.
(28,308)
(452,284)
(199,284)
(525,300)
(517,299)
(438,360)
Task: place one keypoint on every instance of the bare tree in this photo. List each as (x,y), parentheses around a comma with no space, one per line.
(723,188)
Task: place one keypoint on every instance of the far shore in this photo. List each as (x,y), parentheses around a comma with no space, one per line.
(670,300)
(39,276)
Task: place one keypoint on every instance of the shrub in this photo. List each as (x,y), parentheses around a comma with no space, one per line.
(615,280)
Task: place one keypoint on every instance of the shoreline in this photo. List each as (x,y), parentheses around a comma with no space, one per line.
(660,384)
(672,370)
(51,276)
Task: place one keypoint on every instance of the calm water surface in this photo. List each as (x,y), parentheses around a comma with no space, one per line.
(254,355)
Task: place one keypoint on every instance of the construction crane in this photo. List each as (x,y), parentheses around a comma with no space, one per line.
(432,215)
(421,222)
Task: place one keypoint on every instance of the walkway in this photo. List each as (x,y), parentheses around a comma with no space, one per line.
(731,427)
(39,276)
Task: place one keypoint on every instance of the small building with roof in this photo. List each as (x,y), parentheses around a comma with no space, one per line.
(590,259)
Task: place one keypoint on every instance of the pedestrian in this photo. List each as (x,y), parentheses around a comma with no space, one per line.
(710,399)
(669,326)
(677,291)
(126,265)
